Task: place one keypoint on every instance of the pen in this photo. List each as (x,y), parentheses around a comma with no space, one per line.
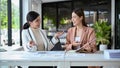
(87,43)
(65,52)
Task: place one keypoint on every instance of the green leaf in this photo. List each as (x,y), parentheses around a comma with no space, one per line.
(102,31)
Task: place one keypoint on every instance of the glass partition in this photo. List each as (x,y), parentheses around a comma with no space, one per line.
(3,23)
(15,22)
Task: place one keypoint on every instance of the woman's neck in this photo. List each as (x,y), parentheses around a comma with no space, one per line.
(79,26)
(34,28)
(79,31)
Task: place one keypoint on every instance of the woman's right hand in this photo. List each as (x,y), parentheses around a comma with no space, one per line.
(68,47)
(32,43)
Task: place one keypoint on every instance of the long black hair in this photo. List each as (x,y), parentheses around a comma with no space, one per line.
(31,16)
(80,12)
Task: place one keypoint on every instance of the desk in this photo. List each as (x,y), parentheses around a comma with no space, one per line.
(40,58)
(74,59)
(55,58)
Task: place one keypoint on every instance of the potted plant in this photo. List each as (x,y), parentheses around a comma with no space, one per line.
(102,30)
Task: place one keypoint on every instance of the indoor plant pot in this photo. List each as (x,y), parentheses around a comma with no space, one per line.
(102,47)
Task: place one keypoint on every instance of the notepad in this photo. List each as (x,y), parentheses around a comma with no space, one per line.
(112,54)
(115,55)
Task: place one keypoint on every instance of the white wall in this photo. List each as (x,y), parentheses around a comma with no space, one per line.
(26,9)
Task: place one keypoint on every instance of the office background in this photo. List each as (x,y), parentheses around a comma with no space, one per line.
(55,16)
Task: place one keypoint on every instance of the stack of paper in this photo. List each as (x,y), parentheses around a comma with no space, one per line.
(112,54)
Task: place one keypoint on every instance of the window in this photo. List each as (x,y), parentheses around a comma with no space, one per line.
(64,16)
(90,17)
(117,24)
(15,22)
(3,22)
(56,15)
(10,22)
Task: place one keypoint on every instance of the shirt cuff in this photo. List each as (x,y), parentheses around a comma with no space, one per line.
(54,40)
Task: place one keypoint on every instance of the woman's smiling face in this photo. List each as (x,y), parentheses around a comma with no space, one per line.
(76,19)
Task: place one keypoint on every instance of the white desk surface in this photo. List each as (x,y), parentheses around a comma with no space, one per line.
(89,59)
(55,58)
(32,56)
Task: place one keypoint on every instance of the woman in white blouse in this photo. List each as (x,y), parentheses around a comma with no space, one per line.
(33,37)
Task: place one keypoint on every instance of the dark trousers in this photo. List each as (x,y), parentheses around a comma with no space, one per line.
(57,47)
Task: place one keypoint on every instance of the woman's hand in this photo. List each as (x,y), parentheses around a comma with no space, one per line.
(68,47)
(58,34)
(86,47)
(75,43)
(32,43)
